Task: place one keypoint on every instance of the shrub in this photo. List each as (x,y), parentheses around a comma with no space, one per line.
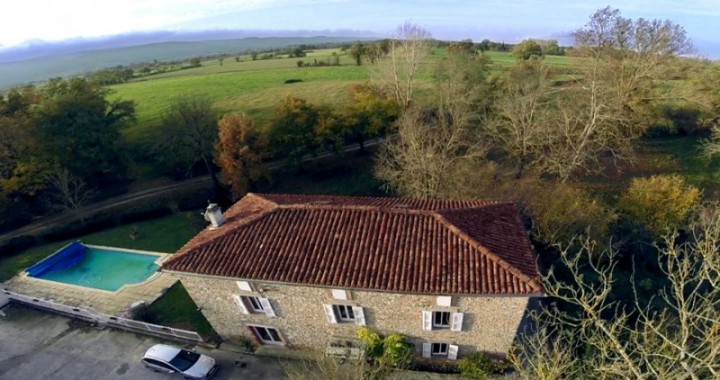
(660,203)
(372,341)
(480,366)
(397,351)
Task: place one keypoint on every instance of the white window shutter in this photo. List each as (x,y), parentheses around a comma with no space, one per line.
(267,307)
(330,314)
(244,286)
(444,301)
(453,351)
(339,294)
(427,320)
(359,315)
(427,348)
(457,322)
(241,304)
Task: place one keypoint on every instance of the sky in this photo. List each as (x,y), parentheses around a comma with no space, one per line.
(26,21)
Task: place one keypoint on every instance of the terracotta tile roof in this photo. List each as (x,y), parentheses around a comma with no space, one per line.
(385,244)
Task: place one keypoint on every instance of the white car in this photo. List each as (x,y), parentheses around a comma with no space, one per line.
(169,359)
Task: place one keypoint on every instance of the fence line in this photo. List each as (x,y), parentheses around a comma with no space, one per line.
(90,315)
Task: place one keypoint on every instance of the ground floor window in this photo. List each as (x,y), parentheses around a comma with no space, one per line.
(439,349)
(267,335)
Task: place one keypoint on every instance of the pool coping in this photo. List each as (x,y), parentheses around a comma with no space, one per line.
(161,258)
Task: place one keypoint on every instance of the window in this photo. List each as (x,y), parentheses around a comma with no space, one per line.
(254,305)
(441,319)
(344,313)
(184,360)
(266,335)
(439,349)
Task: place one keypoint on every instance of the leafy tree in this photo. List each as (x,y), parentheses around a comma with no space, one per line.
(661,203)
(239,151)
(195,62)
(291,130)
(79,128)
(357,52)
(369,115)
(330,129)
(549,47)
(527,49)
(464,46)
(189,131)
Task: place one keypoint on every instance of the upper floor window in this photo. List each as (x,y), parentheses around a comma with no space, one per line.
(254,305)
(442,319)
(341,313)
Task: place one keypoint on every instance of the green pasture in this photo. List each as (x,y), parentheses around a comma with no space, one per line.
(254,92)
(256,86)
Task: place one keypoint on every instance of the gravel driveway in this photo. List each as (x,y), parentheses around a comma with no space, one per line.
(40,345)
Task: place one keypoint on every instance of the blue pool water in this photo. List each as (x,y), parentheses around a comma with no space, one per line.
(93,267)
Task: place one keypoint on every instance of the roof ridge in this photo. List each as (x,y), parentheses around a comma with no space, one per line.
(484,250)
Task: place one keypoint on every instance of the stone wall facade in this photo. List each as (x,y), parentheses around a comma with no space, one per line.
(489,323)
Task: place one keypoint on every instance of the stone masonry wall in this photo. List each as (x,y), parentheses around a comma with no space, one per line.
(490,323)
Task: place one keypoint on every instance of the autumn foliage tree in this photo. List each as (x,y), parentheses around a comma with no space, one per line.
(239,152)
(661,203)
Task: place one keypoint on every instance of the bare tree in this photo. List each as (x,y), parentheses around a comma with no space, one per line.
(397,71)
(522,114)
(604,111)
(68,192)
(421,160)
(674,336)
(437,147)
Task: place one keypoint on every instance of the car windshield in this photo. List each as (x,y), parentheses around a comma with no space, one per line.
(184,360)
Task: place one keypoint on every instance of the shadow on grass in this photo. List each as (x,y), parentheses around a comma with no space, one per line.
(176,309)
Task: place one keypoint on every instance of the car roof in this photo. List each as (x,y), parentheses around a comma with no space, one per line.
(162,352)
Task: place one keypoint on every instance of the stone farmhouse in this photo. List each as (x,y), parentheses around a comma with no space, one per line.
(302,271)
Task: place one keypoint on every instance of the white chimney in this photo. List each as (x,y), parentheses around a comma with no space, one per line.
(214,215)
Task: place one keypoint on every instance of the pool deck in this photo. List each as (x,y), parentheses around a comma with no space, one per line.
(113,303)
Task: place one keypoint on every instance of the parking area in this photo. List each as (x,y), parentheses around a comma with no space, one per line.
(40,345)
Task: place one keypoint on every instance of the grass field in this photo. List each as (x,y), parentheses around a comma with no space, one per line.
(252,87)
(255,87)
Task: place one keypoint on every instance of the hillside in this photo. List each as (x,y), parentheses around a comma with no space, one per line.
(38,69)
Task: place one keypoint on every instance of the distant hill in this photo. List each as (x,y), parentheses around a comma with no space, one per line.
(68,64)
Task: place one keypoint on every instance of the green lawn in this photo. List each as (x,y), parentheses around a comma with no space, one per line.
(176,309)
(165,234)
(659,156)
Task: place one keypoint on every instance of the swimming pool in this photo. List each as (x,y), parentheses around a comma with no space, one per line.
(96,267)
